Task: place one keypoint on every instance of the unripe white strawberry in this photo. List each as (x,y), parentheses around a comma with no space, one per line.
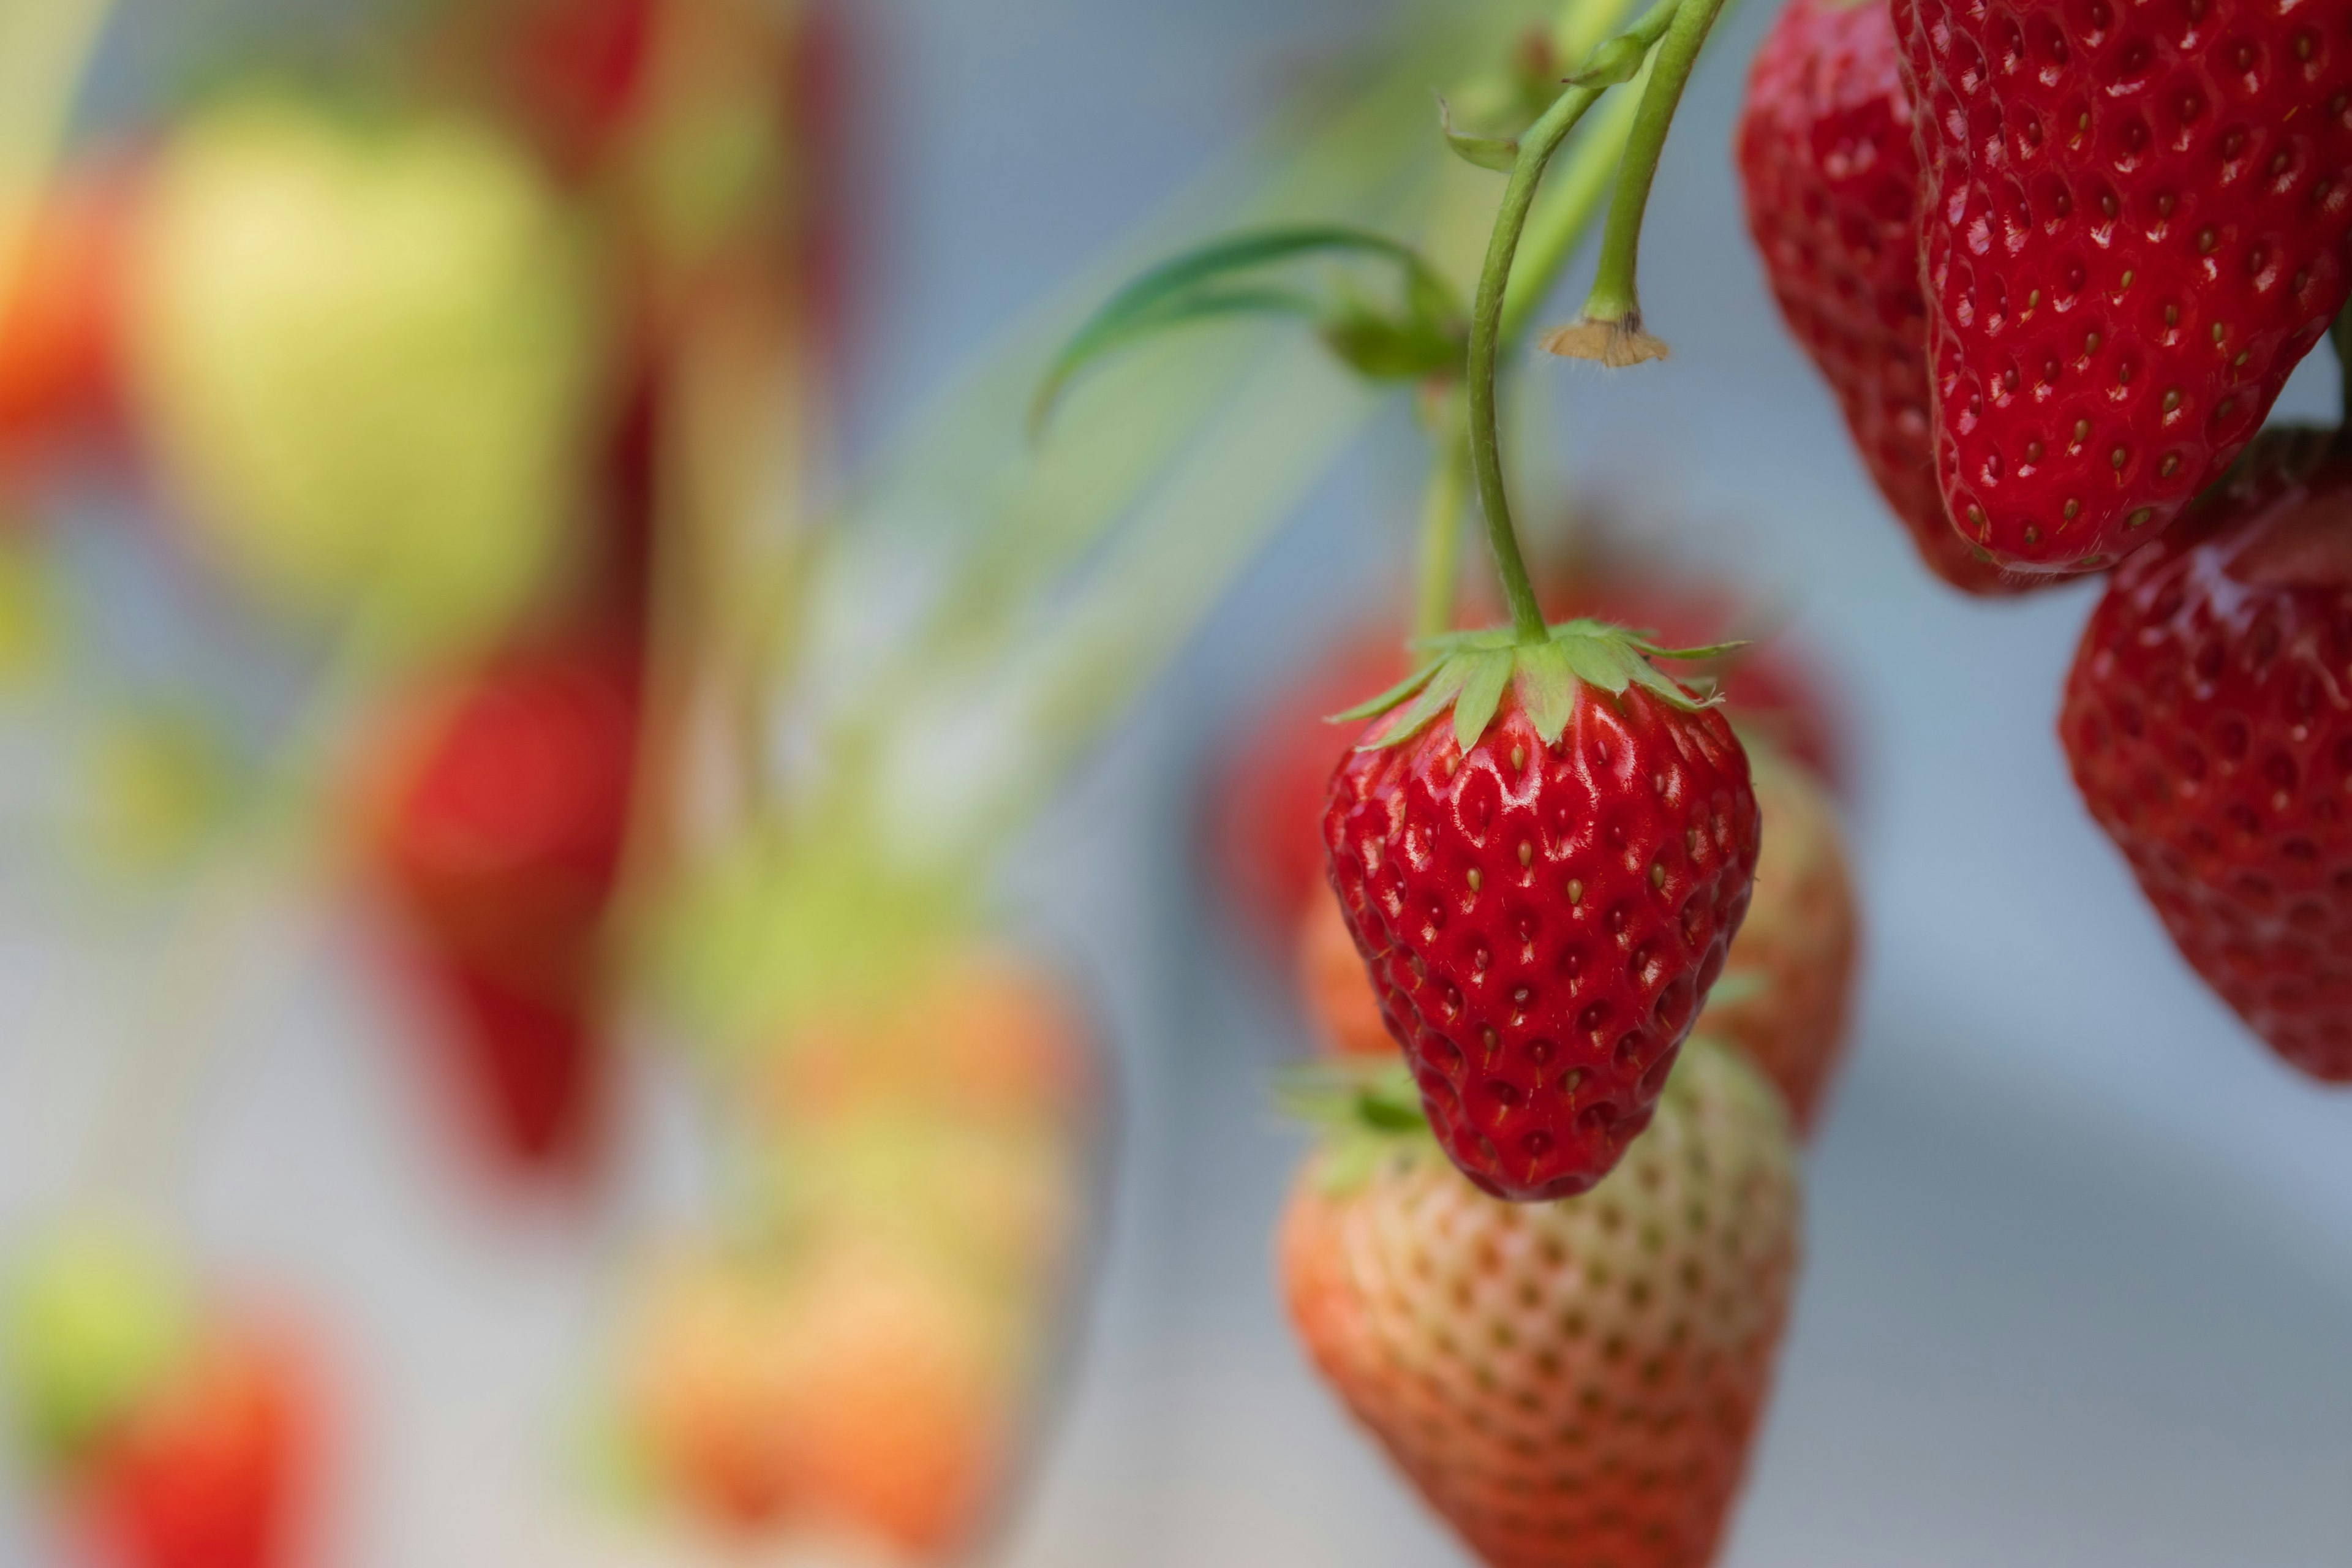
(1574,1383)
(361,354)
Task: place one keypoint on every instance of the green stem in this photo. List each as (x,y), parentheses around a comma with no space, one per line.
(1614,297)
(1572,195)
(1535,149)
(1439,574)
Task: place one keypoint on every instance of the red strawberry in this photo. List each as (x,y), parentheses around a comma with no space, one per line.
(2135,226)
(1573,1385)
(2211,734)
(1832,182)
(1265,807)
(1544,889)
(214,1469)
(502,817)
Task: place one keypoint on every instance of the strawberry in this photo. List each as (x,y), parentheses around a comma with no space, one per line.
(1337,994)
(2209,733)
(1572,1384)
(1767,685)
(213,1469)
(1794,958)
(2134,226)
(499,815)
(1265,807)
(362,358)
(58,304)
(1544,889)
(1832,182)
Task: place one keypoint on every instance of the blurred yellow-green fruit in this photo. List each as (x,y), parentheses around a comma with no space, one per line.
(94,1317)
(362,352)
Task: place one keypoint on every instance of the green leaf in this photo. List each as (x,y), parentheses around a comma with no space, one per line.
(1499,154)
(1444,687)
(1547,689)
(1168,295)
(1481,694)
(1386,348)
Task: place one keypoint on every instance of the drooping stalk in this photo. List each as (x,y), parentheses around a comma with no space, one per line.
(1614,302)
(1535,149)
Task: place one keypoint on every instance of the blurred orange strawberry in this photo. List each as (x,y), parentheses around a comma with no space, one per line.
(1334,984)
(59,308)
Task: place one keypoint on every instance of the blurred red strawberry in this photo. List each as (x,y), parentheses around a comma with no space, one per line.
(60,300)
(1768,688)
(215,1467)
(1265,809)
(499,820)
(576,71)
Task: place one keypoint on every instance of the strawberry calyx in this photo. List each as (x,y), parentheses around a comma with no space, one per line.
(1468,673)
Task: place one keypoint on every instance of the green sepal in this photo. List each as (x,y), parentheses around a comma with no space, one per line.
(1547,690)
(1444,687)
(1388,698)
(1481,693)
(1470,671)
(1365,1115)
(1498,153)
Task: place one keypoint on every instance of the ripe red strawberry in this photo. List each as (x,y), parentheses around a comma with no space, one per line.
(1544,889)
(214,1468)
(1794,958)
(2134,227)
(1832,182)
(501,821)
(1573,1385)
(2211,734)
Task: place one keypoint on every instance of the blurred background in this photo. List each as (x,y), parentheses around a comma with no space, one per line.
(362,690)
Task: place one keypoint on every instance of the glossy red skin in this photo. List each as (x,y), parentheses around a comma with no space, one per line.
(216,1471)
(502,841)
(2109,186)
(1541,1001)
(2211,733)
(1832,182)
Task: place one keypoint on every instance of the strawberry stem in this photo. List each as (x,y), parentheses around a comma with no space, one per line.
(1615,300)
(1535,149)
